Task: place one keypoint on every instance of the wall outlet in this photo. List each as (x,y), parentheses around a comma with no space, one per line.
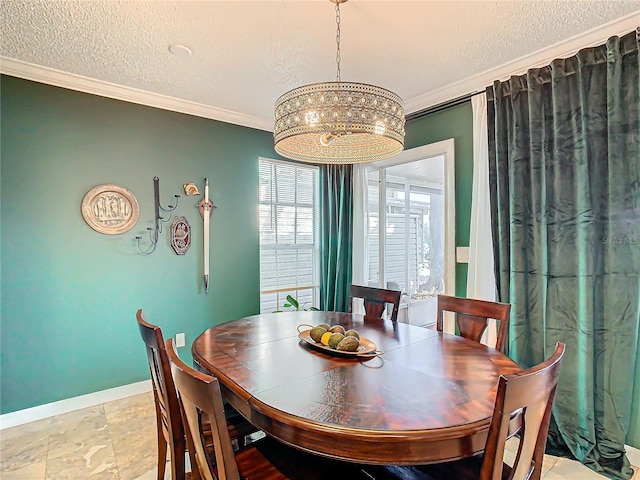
(462,254)
(179,339)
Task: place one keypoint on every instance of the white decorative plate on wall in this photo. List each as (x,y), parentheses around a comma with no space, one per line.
(110,209)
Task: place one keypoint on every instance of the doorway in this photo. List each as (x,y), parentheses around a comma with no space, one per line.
(410,228)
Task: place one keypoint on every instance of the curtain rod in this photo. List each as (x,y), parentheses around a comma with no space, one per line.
(442,106)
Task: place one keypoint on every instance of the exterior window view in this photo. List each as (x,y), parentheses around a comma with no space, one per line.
(411,256)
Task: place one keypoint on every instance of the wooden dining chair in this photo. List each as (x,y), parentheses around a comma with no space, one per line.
(265,459)
(375,300)
(472,317)
(529,394)
(170,430)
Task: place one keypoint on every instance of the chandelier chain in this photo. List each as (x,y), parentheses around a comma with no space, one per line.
(338,40)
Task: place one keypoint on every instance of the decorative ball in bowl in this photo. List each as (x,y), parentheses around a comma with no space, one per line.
(336,340)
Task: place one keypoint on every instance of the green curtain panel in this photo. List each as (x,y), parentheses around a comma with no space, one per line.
(336,236)
(564,155)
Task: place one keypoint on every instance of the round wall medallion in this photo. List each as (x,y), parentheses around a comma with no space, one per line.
(110,209)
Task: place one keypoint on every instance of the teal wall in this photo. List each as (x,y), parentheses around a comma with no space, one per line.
(69,294)
(457,123)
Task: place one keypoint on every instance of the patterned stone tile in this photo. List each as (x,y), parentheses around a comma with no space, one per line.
(122,410)
(148,475)
(38,427)
(633,454)
(567,469)
(511,449)
(117,441)
(548,462)
(77,419)
(23,455)
(80,447)
(34,471)
(95,461)
(76,431)
(151,475)
(134,444)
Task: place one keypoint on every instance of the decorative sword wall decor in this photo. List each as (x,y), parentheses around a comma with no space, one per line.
(206,206)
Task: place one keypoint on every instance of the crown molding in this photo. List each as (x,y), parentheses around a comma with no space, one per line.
(473,84)
(50,76)
(566,48)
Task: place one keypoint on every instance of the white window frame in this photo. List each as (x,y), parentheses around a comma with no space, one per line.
(314,287)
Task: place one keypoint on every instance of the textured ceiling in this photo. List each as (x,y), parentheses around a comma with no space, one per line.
(247,53)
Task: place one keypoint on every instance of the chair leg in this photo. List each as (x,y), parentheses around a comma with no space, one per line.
(162,455)
(195,471)
(191,449)
(162,441)
(177,453)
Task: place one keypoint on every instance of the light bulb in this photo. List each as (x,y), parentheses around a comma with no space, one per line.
(312,117)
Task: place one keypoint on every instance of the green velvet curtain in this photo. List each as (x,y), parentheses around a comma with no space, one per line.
(336,236)
(564,154)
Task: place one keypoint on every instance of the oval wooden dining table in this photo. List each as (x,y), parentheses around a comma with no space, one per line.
(428,398)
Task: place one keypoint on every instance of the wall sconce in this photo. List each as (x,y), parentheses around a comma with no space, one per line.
(154,233)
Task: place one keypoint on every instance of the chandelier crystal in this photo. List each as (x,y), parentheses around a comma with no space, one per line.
(339,122)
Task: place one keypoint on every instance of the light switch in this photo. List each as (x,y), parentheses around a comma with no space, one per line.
(179,339)
(462,254)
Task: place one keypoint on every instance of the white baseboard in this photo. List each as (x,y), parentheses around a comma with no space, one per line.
(27,415)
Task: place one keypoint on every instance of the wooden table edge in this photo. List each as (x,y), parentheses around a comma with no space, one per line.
(427,446)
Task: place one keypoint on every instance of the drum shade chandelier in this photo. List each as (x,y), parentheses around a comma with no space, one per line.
(339,122)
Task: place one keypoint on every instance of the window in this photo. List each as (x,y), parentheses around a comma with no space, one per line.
(289,259)
(410,227)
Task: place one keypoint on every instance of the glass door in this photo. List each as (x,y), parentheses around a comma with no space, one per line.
(407,234)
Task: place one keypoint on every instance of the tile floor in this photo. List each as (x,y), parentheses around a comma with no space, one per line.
(117,440)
